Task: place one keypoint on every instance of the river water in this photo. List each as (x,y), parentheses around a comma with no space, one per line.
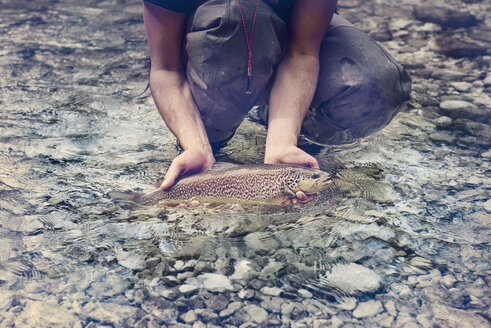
(402,240)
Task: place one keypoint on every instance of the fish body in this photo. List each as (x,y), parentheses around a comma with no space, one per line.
(247,184)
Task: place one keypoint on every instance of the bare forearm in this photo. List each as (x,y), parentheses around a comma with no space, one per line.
(176,105)
(291,95)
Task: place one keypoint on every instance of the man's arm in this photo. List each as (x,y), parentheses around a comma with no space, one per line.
(171,93)
(296,81)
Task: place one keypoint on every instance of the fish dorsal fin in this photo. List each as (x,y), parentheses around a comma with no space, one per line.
(220,166)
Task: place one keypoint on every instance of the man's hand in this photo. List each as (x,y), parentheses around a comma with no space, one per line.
(291,155)
(191,161)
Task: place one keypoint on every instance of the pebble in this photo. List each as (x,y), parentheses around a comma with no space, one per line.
(188,317)
(261,241)
(353,278)
(243,270)
(46,314)
(369,308)
(443,136)
(444,16)
(215,282)
(448,281)
(231,308)
(487,206)
(443,122)
(187,289)
(305,293)
(217,302)
(257,314)
(271,291)
(246,294)
(461,86)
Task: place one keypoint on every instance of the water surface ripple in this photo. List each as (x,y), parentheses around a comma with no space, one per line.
(401,239)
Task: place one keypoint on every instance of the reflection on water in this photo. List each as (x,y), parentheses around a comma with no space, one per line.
(401,239)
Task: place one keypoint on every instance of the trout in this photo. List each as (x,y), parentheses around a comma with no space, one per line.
(261,184)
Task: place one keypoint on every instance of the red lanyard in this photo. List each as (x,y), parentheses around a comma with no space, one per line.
(249,45)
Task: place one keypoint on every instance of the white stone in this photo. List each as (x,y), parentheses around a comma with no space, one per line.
(367,309)
(243,270)
(461,86)
(448,281)
(456,104)
(257,314)
(353,278)
(188,317)
(390,307)
(245,294)
(216,282)
(271,291)
(487,80)
(187,289)
(46,314)
(487,205)
(304,293)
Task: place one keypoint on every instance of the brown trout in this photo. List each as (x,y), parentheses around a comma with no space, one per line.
(262,184)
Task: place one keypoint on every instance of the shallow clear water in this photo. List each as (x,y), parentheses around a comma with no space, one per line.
(401,240)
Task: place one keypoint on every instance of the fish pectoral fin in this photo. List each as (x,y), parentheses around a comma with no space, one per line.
(280,200)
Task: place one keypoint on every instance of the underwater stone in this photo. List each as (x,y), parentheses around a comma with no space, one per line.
(216,282)
(367,309)
(448,281)
(353,278)
(257,314)
(243,270)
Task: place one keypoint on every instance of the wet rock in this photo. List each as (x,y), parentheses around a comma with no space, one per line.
(448,281)
(443,122)
(458,48)
(46,314)
(487,206)
(390,307)
(353,278)
(160,308)
(244,270)
(367,309)
(231,308)
(246,294)
(256,313)
(112,313)
(347,303)
(448,75)
(293,311)
(461,86)
(270,270)
(217,302)
(188,317)
(188,289)
(305,293)
(443,136)
(262,242)
(271,291)
(215,282)
(444,16)
(474,128)
(445,316)
(209,316)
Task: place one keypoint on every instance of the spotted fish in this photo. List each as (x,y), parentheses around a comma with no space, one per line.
(264,184)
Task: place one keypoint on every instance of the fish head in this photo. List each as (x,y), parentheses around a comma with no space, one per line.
(310,181)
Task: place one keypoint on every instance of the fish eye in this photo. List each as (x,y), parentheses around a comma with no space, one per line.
(316,176)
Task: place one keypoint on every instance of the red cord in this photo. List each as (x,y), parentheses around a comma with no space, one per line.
(249,41)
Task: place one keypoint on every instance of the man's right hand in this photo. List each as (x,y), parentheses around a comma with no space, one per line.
(191,161)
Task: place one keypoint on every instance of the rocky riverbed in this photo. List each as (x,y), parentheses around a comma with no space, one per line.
(402,240)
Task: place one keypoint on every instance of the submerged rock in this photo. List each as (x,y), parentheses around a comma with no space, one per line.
(367,309)
(444,16)
(353,278)
(216,282)
(452,47)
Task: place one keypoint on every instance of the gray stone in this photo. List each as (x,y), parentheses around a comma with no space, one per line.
(443,122)
(461,86)
(367,309)
(305,293)
(262,241)
(443,136)
(188,317)
(257,314)
(270,270)
(217,302)
(160,308)
(46,314)
(187,289)
(271,291)
(353,278)
(487,206)
(447,75)
(444,16)
(231,308)
(216,282)
(448,281)
(458,48)
(246,294)
(244,270)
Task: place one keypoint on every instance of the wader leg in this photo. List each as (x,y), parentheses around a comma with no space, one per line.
(360,88)
(217,58)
